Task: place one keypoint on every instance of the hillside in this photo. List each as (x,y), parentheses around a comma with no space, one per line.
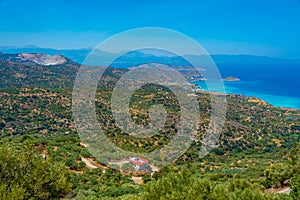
(17,72)
(256,150)
(251,124)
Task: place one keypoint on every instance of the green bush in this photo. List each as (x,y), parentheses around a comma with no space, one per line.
(26,175)
(295,187)
(277,174)
(180,186)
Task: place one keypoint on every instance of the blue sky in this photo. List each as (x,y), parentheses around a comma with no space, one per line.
(259,27)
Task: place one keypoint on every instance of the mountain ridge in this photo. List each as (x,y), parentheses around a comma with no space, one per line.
(78,55)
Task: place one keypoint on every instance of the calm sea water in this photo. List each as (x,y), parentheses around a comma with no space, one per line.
(279,85)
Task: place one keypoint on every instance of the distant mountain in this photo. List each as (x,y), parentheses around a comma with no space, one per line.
(136,57)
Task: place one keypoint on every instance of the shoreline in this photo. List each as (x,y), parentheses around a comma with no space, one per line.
(283,107)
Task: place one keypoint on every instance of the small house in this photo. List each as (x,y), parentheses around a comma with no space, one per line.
(139,163)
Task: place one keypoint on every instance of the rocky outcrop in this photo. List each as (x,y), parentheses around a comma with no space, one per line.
(43,59)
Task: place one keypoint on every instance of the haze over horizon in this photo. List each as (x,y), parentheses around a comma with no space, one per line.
(221,27)
(26,49)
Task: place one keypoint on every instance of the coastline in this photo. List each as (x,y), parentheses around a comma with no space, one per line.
(282,102)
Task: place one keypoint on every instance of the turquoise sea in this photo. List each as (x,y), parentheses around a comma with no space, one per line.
(277,84)
(259,89)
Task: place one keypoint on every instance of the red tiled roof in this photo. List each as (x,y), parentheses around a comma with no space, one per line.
(138,161)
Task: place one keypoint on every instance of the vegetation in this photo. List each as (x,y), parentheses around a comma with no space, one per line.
(185,186)
(26,175)
(257,154)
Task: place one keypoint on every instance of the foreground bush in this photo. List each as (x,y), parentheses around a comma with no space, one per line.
(178,187)
(26,175)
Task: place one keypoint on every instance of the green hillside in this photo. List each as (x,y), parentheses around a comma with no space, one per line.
(257,154)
